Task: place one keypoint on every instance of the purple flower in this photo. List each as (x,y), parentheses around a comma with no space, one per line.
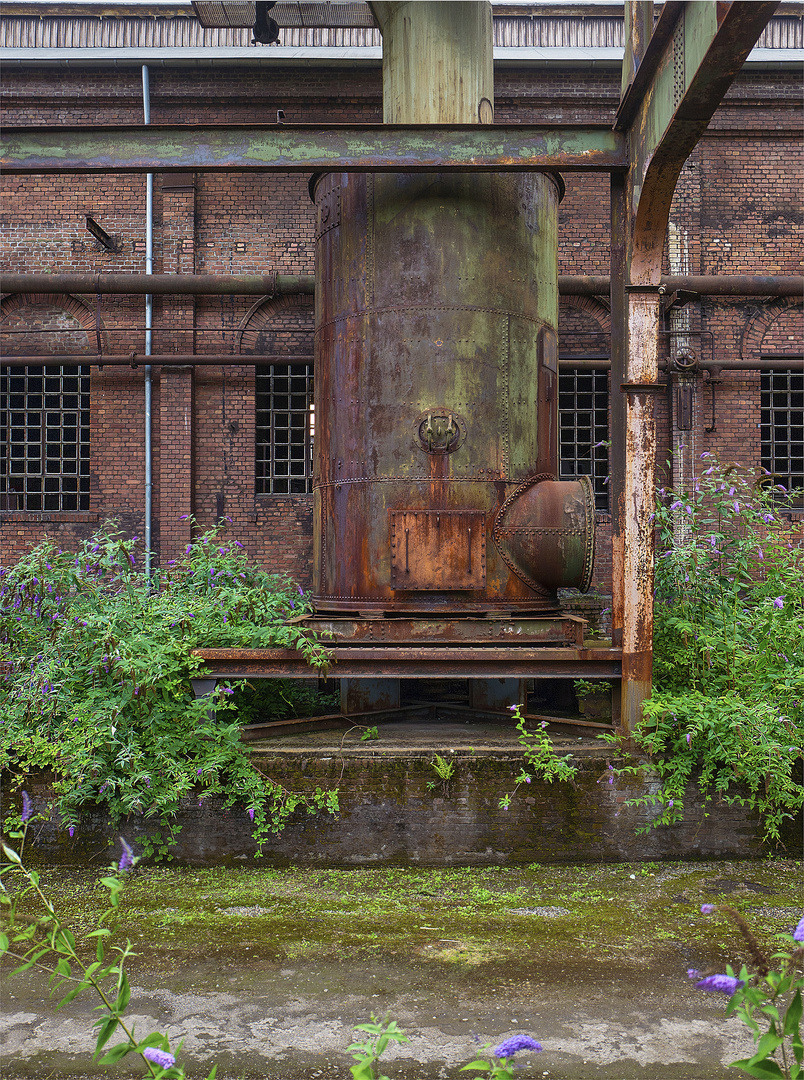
(238,544)
(778,602)
(726,984)
(798,933)
(670,803)
(250,812)
(514,1045)
(126,862)
(736,507)
(767,518)
(693,973)
(27,807)
(71,831)
(527,779)
(689,736)
(675,506)
(707,909)
(198,772)
(159,1057)
(512,708)
(188,549)
(183,517)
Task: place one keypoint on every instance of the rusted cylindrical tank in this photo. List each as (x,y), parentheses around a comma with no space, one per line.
(436,397)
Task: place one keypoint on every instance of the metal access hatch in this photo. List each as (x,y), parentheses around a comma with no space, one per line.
(438,550)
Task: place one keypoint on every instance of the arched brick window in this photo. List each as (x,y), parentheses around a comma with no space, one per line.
(584,327)
(285,410)
(44,408)
(778,333)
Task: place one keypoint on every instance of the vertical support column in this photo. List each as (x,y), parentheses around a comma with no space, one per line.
(617,419)
(638,29)
(498,694)
(639,498)
(176,472)
(369,695)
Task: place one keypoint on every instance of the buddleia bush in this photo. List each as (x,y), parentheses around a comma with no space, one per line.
(728,699)
(95,670)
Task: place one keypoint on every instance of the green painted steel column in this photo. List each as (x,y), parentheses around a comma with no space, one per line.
(437,62)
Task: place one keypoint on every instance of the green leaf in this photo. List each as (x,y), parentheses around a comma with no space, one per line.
(792,1020)
(213,1072)
(3,944)
(124,994)
(478,1064)
(107,1030)
(763,1070)
(116,1053)
(766,1046)
(73,993)
(11,855)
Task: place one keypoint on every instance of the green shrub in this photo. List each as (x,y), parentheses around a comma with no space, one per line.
(728,699)
(97,676)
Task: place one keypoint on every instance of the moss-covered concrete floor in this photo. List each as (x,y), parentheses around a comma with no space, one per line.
(266,971)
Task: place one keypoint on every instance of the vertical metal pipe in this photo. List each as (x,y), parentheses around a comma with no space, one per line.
(149,314)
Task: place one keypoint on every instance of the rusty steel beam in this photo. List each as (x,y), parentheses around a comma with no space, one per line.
(397,662)
(701,53)
(698,50)
(311,148)
(272,284)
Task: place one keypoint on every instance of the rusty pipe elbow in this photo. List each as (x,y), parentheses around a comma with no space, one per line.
(545,532)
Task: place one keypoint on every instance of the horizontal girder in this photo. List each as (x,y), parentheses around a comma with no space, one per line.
(311,148)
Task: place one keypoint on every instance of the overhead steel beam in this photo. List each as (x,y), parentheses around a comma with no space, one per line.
(311,148)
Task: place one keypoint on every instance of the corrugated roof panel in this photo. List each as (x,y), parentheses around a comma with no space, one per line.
(783,32)
(182,31)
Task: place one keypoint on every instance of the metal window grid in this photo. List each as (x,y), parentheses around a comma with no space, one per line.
(782,426)
(285,428)
(583,426)
(44,438)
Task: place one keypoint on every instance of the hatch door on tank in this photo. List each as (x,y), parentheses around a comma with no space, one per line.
(438,549)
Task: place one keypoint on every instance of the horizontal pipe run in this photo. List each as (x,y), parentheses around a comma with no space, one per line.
(273,284)
(164,284)
(136,360)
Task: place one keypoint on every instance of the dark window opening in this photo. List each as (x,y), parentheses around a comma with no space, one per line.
(782,427)
(285,429)
(583,428)
(44,438)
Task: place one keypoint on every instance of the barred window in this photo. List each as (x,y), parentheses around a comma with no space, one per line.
(285,427)
(782,426)
(44,438)
(583,425)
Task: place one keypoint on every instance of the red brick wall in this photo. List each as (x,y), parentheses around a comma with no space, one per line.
(738,200)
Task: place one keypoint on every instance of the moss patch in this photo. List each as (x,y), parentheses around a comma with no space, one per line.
(642,915)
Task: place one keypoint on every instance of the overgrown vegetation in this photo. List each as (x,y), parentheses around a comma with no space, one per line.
(728,700)
(96,669)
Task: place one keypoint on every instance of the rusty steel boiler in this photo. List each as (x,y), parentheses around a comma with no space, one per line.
(436,397)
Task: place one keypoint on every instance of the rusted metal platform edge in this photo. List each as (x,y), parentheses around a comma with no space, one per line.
(413,663)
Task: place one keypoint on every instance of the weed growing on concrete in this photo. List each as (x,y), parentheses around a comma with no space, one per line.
(541,760)
(444,770)
(767,996)
(96,684)
(727,709)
